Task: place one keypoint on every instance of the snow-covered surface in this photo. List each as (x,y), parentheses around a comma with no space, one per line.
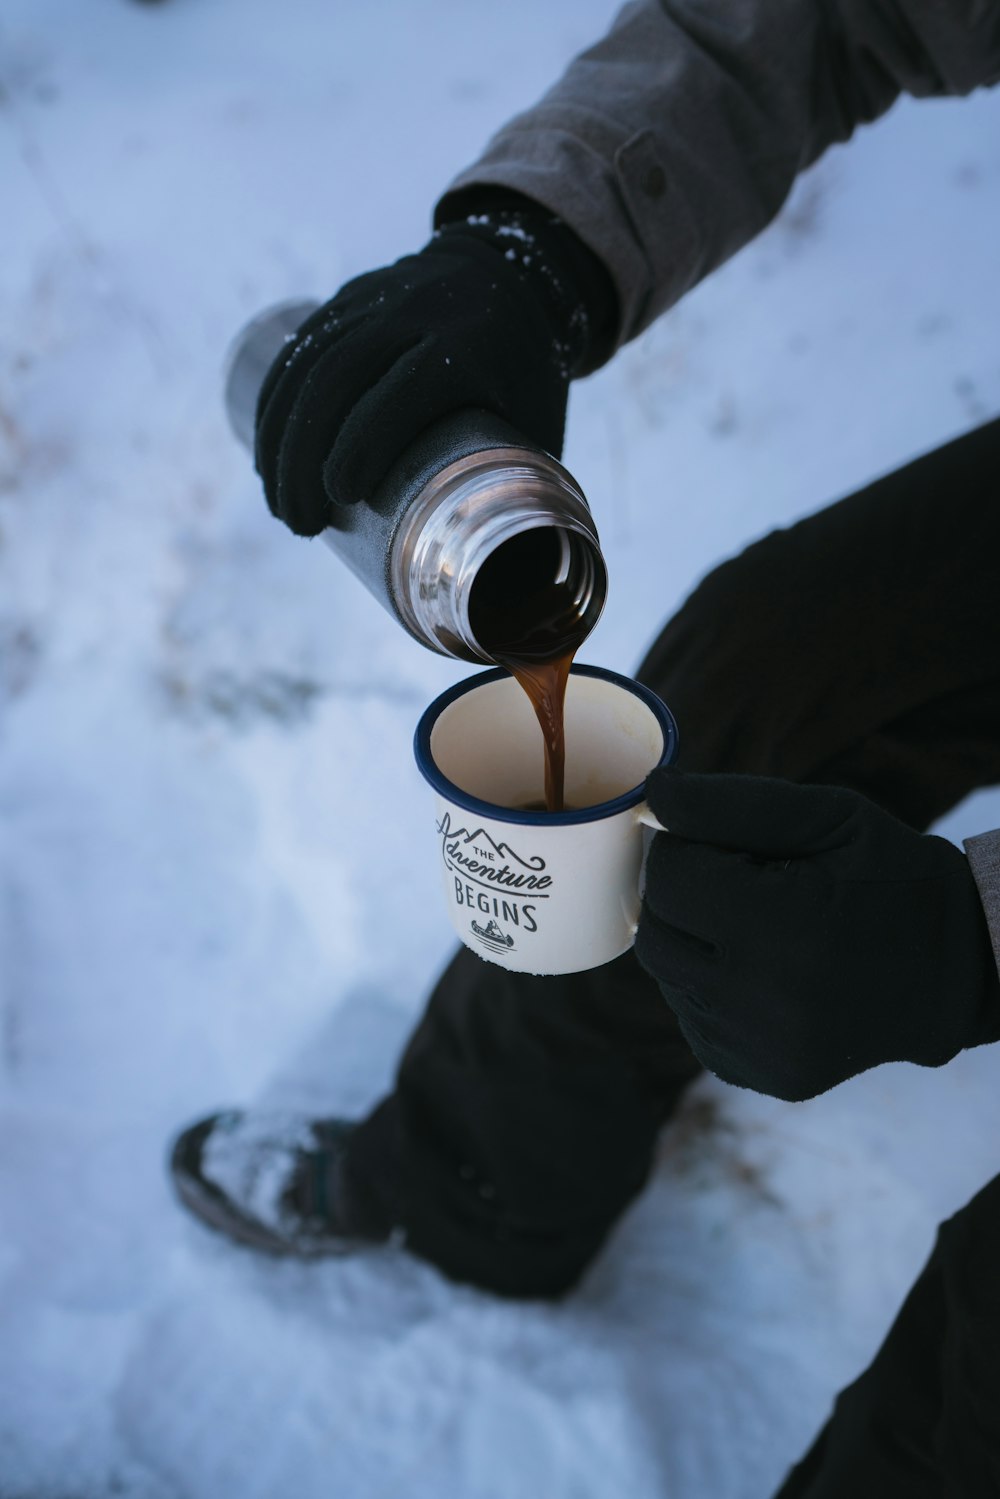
(202,721)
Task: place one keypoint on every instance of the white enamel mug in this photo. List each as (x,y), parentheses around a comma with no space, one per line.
(544,892)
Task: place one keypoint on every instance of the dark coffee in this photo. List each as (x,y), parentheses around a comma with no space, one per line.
(525,614)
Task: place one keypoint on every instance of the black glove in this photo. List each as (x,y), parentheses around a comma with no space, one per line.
(498,312)
(802,935)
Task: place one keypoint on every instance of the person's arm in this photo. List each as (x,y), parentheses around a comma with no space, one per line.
(674,140)
(662,150)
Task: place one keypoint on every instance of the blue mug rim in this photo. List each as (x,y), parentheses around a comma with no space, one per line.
(452,793)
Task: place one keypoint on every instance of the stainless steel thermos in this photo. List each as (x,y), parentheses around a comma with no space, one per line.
(468,492)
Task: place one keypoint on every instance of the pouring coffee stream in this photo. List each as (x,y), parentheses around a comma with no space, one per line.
(477,541)
(523,613)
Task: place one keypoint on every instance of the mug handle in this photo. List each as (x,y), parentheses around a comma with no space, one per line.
(644,814)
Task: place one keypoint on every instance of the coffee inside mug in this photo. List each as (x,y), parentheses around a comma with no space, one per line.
(487,744)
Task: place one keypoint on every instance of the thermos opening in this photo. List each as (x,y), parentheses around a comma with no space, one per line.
(537,595)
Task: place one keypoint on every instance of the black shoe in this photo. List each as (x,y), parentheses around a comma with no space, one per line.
(276,1181)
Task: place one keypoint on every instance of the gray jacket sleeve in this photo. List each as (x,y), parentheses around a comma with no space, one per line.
(984,860)
(676,139)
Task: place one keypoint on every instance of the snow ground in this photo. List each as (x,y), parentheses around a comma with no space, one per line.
(201,720)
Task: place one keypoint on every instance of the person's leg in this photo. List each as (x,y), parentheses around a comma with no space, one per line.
(923,1421)
(860,647)
(528,1109)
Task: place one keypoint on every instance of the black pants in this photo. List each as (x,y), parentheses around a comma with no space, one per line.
(860,647)
(923,1421)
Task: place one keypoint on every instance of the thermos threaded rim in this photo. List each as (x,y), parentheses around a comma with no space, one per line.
(463,516)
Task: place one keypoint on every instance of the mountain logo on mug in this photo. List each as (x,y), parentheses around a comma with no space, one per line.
(477,857)
(456,839)
(492,935)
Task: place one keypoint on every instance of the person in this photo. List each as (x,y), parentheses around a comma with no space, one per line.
(838,684)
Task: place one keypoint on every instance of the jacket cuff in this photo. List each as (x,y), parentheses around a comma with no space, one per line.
(615,196)
(984,860)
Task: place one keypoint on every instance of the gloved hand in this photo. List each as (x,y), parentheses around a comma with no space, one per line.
(499,312)
(802,935)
